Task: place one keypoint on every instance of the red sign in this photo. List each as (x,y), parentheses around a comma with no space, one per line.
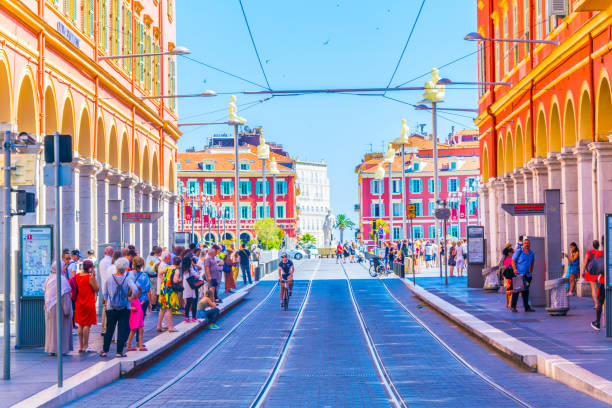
(136,216)
(524,209)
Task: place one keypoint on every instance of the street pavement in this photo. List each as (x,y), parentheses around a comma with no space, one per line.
(327,362)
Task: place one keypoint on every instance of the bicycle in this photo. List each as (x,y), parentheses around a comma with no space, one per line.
(376,267)
(285,286)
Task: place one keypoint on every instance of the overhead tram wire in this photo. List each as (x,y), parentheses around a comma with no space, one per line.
(224,72)
(253,42)
(405,45)
(438,112)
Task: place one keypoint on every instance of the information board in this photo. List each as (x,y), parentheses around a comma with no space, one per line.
(36,249)
(476,247)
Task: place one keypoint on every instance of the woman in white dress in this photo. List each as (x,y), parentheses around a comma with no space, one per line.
(51,301)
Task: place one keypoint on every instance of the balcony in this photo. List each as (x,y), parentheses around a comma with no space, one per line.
(591,5)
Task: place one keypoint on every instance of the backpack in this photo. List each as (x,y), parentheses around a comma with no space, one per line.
(596,265)
(119,298)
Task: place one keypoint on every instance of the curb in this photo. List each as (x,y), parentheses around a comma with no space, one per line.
(105,372)
(549,365)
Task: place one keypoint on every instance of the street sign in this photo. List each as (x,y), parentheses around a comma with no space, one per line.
(411,207)
(411,215)
(65,175)
(524,209)
(140,217)
(25,170)
(475,244)
(443,213)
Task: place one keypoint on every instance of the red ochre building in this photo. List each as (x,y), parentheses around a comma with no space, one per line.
(458,173)
(551,129)
(209,174)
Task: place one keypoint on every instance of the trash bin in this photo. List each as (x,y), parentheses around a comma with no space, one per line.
(491,279)
(257,271)
(556,297)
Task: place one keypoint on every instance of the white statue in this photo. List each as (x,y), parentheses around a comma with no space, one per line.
(328,226)
(234,119)
(434,92)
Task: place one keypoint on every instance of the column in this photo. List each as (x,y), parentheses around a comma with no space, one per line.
(137,207)
(569,197)
(540,183)
(585,186)
(528,198)
(87,210)
(172,197)
(508,219)
(155,229)
(102,205)
(146,227)
(494,222)
(602,155)
(499,217)
(70,210)
(519,197)
(483,210)
(127,192)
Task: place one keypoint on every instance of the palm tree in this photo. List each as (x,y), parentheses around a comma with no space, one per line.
(342,222)
(307,240)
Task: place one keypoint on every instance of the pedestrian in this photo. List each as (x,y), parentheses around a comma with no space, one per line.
(345,252)
(51,304)
(151,264)
(429,252)
(169,296)
(103,273)
(508,273)
(595,272)
(244,256)
(573,267)
(522,264)
(212,266)
(118,297)
(590,274)
(339,251)
(189,294)
(352,253)
(459,258)
(73,264)
(85,304)
(228,264)
(207,309)
(452,257)
(143,283)
(165,261)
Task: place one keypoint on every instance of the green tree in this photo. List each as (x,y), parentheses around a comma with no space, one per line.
(342,223)
(307,240)
(268,233)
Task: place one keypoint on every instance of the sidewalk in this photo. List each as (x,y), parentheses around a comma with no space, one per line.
(569,340)
(33,370)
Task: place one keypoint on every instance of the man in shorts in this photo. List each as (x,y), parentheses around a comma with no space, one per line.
(285,273)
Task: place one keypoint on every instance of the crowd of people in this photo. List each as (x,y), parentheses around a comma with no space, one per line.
(181,281)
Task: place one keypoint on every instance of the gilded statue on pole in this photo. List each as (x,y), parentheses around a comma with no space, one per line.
(434,92)
(234,119)
(263,150)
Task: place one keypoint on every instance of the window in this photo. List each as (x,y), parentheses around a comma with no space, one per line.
(246,213)
(377,210)
(147,68)
(431,208)
(227,187)
(157,69)
(452,165)
(377,186)
(140,49)
(416,186)
(258,189)
(115,24)
(482,72)
(432,231)
(170,10)
(505,45)
(417,232)
(102,26)
(472,207)
(538,22)
(397,209)
(70,9)
(452,184)
(245,187)
(396,186)
(209,188)
(418,208)
(515,33)
(281,187)
(280,211)
(547,17)
(172,81)
(193,187)
(127,36)
(415,166)
(430,185)
(397,233)
(245,166)
(208,167)
(453,230)
(88,18)
(498,56)
(260,211)
(228,212)
(470,182)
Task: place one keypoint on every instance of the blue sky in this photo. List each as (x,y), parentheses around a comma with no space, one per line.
(323,44)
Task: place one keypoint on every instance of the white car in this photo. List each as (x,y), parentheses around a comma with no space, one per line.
(296,254)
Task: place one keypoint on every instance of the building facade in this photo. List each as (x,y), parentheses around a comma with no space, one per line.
(313,201)
(551,129)
(207,193)
(382,199)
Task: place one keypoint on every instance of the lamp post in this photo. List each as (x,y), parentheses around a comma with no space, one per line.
(274,172)
(263,154)
(202,204)
(404,140)
(182,207)
(389,159)
(210,215)
(192,215)
(434,93)
(379,176)
(218,217)
(479,37)
(235,121)
(175,51)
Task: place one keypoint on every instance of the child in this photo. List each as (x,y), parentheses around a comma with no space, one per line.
(136,324)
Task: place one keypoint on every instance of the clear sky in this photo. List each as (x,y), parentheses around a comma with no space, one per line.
(323,44)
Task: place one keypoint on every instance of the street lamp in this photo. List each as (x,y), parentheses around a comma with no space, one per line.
(235,120)
(404,140)
(425,107)
(379,176)
(389,159)
(263,154)
(434,93)
(274,172)
(175,51)
(181,201)
(205,94)
(446,81)
(479,37)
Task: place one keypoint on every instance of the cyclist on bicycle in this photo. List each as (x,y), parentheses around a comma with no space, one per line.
(285,273)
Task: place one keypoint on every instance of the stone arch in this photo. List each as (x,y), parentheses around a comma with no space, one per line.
(228,236)
(155,170)
(113,148)
(519,157)
(124,162)
(6,107)
(541,138)
(68,127)
(554,132)
(509,151)
(484,169)
(569,123)
(27,105)
(585,124)
(101,141)
(84,139)
(500,165)
(603,110)
(245,237)
(137,160)
(210,237)
(171,179)
(528,141)
(51,116)
(146,164)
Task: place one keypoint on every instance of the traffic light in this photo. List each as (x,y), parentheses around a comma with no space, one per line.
(26,202)
(373,225)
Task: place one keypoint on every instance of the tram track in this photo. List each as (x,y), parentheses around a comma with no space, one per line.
(454,353)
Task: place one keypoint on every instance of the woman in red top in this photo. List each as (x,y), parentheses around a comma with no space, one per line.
(592,279)
(85,304)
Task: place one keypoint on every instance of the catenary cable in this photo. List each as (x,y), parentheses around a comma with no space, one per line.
(253,42)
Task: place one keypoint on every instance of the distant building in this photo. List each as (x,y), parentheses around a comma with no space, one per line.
(313,198)
(458,173)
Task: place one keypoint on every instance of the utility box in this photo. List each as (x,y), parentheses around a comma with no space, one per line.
(537,293)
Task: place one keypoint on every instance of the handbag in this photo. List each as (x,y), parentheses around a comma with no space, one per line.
(178,286)
(518,284)
(194,282)
(227,268)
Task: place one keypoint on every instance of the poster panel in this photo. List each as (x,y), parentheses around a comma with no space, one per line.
(36,249)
